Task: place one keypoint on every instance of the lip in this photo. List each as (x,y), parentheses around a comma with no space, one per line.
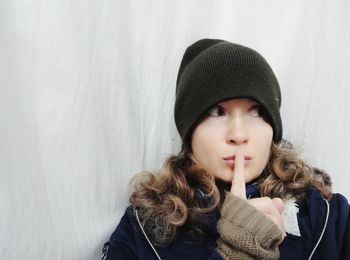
(232,157)
(230,160)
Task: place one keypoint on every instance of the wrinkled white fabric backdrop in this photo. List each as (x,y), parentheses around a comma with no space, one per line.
(87,92)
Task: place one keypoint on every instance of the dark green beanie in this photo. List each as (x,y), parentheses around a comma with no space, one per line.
(212,71)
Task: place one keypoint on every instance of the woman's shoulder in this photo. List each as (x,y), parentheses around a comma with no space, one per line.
(321,191)
(315,200)
(126,226)
(127,241)
(324,224)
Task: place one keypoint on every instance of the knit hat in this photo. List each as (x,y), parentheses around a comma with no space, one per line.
(213,71)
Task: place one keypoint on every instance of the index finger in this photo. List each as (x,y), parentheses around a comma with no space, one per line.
(238,181)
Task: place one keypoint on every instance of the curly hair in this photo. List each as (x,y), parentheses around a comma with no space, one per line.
(285,175)
(168,201)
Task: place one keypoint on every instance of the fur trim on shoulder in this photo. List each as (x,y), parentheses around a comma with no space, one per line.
(290,219)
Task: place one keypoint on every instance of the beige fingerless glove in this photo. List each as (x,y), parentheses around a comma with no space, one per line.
(245,232)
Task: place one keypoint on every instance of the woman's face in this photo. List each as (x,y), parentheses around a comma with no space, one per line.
(231,127)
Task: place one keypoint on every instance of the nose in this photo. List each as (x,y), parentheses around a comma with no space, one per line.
(237,132)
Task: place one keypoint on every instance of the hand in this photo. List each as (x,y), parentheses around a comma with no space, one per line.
(271,208)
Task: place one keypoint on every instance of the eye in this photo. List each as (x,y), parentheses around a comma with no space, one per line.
(257,111)
(216,111)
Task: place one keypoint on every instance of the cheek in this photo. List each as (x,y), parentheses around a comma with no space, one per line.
(266,155)
(265,144)
(204,144)
(200,144)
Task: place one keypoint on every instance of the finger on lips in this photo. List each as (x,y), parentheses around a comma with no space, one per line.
(238,180)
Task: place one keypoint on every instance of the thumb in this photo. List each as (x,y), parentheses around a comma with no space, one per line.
(278,203)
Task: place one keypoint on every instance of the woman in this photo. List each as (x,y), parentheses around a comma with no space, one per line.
(233,191)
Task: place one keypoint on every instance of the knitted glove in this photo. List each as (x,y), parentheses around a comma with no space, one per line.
(245,232)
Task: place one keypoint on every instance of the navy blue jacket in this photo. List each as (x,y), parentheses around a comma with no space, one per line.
(324,227)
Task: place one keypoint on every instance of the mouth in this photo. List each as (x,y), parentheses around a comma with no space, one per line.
(230,160)
(232,157)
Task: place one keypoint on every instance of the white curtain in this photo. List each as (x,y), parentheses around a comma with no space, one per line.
(87,93)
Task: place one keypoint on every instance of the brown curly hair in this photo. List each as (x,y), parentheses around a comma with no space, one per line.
(168,202)
(168,199)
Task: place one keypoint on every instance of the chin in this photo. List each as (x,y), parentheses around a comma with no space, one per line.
(226,178)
